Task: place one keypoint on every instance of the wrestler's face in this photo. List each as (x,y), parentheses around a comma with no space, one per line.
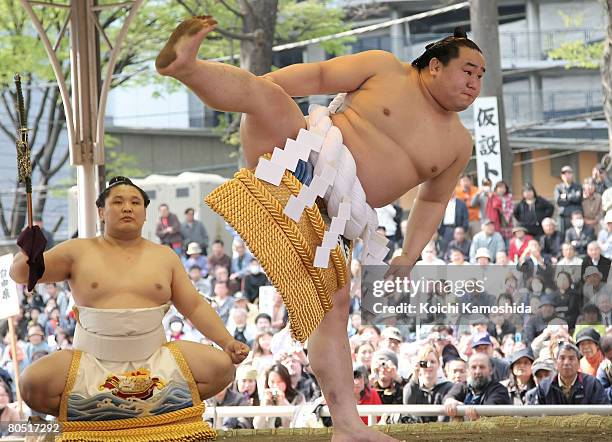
(123,211)
(458,83)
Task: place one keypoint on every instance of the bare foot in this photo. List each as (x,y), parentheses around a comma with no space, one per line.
(361,434)
(181,49)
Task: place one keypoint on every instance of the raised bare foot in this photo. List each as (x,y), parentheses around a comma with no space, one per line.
(361,434)
(181,49)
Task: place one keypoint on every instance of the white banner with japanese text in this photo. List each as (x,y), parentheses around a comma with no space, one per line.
(487,140)
(9,300)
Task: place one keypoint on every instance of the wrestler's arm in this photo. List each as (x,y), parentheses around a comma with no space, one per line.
(430,204)
(340,74)
(194,307)
(58,263)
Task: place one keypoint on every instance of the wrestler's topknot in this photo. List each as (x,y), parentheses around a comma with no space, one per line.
(117,181)
(446,49)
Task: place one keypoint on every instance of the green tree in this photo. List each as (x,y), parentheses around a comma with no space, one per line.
(596,55)
(249,24)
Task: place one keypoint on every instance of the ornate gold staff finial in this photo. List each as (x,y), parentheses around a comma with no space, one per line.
(24,165)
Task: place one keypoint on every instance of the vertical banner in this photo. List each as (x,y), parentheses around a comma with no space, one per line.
(9,301)
(486,139)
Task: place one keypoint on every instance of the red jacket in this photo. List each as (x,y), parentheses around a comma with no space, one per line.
(515,252)
(370,397)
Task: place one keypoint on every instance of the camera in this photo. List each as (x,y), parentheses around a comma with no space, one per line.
(274,396)
(424,364)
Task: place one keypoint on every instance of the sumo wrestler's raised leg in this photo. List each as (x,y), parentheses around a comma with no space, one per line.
(335,373)
(42,383)
(212,368)
(270,115)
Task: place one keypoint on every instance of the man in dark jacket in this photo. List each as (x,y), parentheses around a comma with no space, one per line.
(230,398)
(456,215)
(551,240)
(568,197)
(570,387)
(578,234)
(480,389)
(594,258)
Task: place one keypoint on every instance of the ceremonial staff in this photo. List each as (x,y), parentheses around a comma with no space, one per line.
(24,166)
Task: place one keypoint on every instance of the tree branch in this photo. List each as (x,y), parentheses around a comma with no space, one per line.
(231,9)
(189,10)
(7,108)
(39,115)
(5,228)
(53,170)
(7,132)
(242,37)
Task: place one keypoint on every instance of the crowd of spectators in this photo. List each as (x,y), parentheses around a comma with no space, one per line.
(557,255)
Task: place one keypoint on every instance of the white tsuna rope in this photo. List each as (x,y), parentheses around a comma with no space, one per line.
(335,180)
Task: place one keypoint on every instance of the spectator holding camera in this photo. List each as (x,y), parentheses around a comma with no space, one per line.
(385,379)
(277,391)
(425,386)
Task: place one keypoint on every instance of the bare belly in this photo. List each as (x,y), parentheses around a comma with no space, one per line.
(384,168)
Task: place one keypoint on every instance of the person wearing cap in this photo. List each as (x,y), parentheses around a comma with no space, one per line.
(483,256)
(604,372)
(391,339)
(578,234)
(168,229)
(604,238)
(122,286)
(480,389)
(587,341)
(426,386)
(487,238)
(594,258)
(192,230)
(567,197)
(570,386)
(591,205)
(385,379)
(194,257)
(531,210)
(246,383)
(481,343)
(518,243)
(520,380)
(537,322)
(594,285)
(541,369)
(551,240)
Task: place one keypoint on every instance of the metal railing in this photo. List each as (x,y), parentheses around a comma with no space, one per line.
(372,411)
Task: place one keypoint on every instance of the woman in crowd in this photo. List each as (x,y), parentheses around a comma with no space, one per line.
(363,355)
(277,391)
(568,299)
(364,394)
(520,380)
(500,208)
(246,383)
(6,397)
(426,386)
(261,358)
(531,210)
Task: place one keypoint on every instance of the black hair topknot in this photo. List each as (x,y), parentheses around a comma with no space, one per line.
(445,49)
(118,181)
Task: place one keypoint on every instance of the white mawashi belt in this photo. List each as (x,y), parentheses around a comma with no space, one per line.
(335,180)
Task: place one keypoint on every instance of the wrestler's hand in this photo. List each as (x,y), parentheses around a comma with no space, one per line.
(400,266)
(237,350)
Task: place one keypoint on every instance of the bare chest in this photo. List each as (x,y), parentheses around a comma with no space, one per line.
(120,280)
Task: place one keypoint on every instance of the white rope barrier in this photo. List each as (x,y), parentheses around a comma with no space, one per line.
(371,411)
